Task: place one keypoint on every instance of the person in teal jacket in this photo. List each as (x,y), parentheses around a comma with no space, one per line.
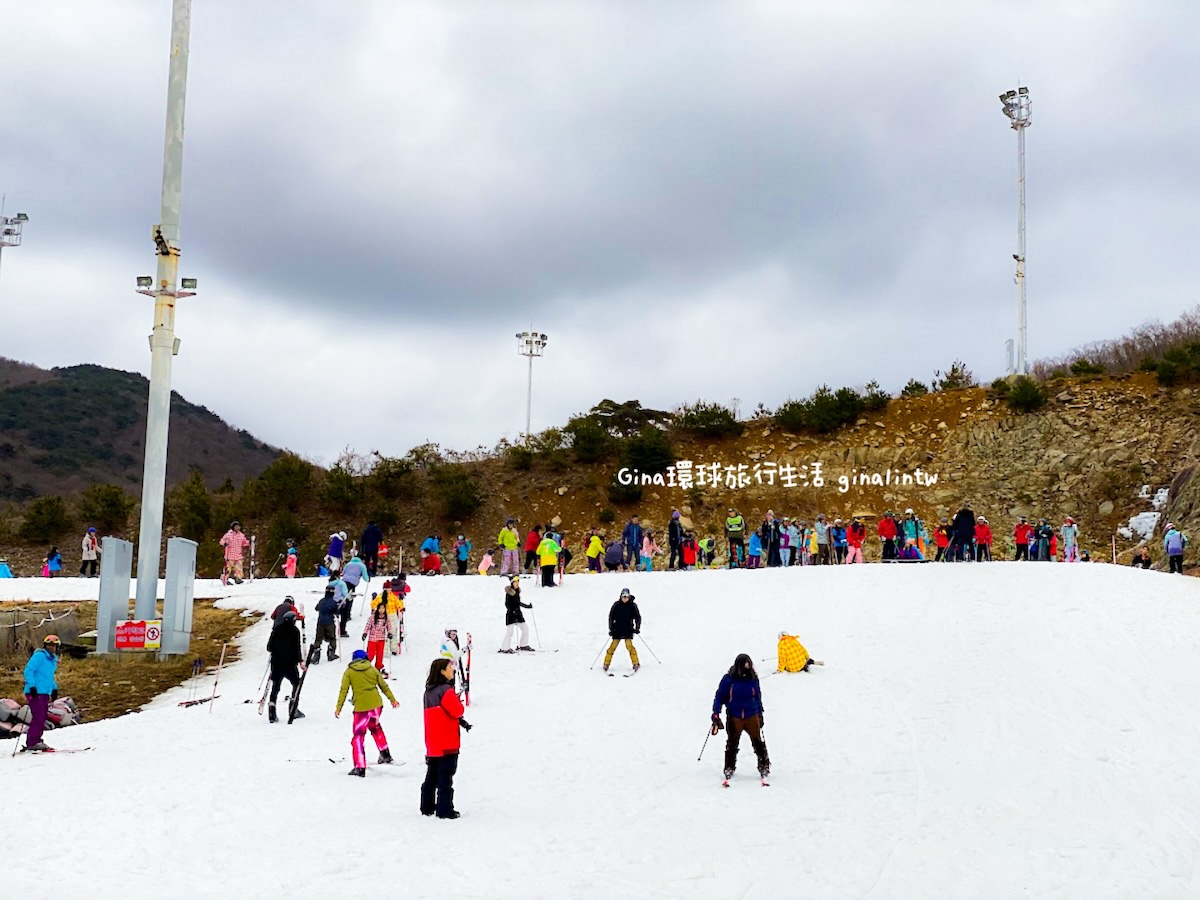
(40,690)
(755,551)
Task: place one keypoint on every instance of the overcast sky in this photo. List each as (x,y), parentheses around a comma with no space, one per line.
(693,199)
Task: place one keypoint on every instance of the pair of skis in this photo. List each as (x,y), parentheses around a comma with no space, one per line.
(761,778)
(467,674)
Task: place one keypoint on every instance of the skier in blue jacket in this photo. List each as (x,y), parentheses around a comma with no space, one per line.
(327,626)
(741,695)
(40,690)
(631,540)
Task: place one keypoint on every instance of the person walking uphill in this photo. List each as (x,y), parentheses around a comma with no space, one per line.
(235,544)
(41,689)
(514,618)
(327,617)
(366,682)
(287,658)
(624,621)
(739,692)
(372,537)
(443,716)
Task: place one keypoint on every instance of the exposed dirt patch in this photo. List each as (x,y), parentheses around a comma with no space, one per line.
(113,685)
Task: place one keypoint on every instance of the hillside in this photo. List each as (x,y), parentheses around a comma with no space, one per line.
(62,430)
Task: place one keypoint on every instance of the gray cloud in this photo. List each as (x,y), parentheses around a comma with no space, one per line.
(828,192)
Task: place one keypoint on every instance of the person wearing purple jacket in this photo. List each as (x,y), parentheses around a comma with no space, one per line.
(739,692)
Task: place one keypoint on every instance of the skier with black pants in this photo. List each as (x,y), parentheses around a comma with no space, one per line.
(741,695)
(327,617)
(675,541)
(443,716)
(286,660)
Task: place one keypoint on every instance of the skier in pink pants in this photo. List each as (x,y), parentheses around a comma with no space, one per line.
(366,681)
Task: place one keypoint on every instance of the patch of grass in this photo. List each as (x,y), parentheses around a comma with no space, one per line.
(112,685)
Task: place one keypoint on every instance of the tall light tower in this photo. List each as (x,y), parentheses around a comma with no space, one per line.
(1019,108)
(163,343)
(10,229)
(531,344)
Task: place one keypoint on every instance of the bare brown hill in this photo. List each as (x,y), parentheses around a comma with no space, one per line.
(64,429)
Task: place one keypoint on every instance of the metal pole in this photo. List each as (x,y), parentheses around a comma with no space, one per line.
(162,340)
(1022,366)
(529,401)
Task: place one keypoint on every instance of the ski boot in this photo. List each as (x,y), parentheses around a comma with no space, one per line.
(39,747)
(331,656)
(272,716)
(385,757)
(636,666)
(528,649)
(606,667)
(453,814)
(359,771)
(298,715)
(506,651)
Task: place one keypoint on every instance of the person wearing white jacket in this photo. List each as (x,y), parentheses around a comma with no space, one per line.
(89,565)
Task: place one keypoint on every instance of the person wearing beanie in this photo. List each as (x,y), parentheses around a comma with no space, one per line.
(365,681)
(287,659)
(392,601)
(462,553)
(41,689)
(1070,539)
(675,541)
(513,617)
(1174,543)
(327,616)
(443,738)
(741,695)
(90,560)
(624,621)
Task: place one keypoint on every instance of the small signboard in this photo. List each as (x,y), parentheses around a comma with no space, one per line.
(143,635)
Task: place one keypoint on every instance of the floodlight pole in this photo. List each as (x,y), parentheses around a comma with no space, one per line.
(530,344)
(163,343)
(10,228)
(1019,108)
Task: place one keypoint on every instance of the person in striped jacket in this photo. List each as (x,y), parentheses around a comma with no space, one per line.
(235,544)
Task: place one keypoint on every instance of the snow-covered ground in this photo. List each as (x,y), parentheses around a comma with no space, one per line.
(53,590)
(1002,730)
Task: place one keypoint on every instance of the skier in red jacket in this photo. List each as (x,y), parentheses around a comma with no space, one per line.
(443,716)
(855,535)
(886,529)
(532,540)
(1022,533)
(983,540)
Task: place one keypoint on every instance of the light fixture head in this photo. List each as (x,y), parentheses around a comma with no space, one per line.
(144,281)
(1023,90)
(21,217)
(188,284)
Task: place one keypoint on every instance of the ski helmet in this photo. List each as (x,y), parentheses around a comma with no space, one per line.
(289,616)
(342,535)
(625,592)
(51,640)
(358,654)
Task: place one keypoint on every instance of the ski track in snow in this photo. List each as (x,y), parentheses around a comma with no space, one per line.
(979,731)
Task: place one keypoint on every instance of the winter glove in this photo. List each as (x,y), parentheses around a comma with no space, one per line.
(54,695)
(33,692)
(389,636)
(364,637)
(716,723)
(637,630)
(465,724)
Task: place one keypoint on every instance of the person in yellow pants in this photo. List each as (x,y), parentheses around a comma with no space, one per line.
(624,621)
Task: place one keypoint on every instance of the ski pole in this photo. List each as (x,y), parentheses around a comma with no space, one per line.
(535,628)
(597,659)
(707,735)
(213,699)
(263,681)
(652,653)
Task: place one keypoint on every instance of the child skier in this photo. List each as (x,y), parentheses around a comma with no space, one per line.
(514,618)
(41,689)
(462,552)
(452,649)
(595,551)
(547,552)
(649,551)
(624,621)
(366,682)
(443,716)
(377,634)
(392,600)
(287,659)
(291,562)
(739,692)
(485,564)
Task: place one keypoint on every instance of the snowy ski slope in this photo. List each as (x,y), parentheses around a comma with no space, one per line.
(983,731)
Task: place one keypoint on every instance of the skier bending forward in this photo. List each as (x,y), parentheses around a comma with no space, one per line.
(741,695)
